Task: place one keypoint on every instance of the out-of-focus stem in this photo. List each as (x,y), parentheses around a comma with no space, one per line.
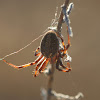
(50,80)
(50,76)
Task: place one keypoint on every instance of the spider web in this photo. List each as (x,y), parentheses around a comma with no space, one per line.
(24,46)
(52,26)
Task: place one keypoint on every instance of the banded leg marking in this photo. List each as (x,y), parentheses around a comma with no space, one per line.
(38,65)
(21,66)
(26,65)
(43,65)
(60,63)
(37,54)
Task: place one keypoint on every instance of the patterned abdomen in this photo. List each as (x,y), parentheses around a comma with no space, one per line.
(49,45)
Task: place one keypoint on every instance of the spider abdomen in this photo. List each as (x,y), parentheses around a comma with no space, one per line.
(49,45)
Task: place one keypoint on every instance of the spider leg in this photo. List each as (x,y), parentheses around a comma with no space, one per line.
(65,47)
(21,66)
(43,65)
(38,65)
(60,63)
(61,40)
(26,65)
(68,45)
(37,54)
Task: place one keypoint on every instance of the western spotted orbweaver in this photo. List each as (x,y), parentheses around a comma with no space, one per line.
(50,48)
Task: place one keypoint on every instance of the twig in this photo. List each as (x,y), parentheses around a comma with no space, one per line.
(50,76)
(66,97)
(59,26)
(50,80)
(64,17)
(61,96)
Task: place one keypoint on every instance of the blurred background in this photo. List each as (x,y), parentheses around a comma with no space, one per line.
(21,21)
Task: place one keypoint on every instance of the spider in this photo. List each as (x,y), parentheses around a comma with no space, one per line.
(49,49)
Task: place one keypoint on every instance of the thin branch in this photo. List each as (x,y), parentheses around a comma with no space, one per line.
(61,96)
(50,80)
(64,17)
(66,97)
(50,76)
(59,26)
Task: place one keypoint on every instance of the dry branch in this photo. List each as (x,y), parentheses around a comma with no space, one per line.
(47,94)
(61,96)
(59,26)
(50,76)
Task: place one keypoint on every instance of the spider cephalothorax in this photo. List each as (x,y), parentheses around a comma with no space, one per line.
(49,48)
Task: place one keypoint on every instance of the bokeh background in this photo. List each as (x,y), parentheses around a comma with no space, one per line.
(21,21)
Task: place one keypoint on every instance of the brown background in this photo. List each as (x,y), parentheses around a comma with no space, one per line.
(21,21)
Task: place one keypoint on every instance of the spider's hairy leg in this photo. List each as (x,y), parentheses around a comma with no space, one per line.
(38,65)
(59,63)
(68,65)
(21,66)
(25,65)
(43,65)
(64,49)
(37,54)
(68,45)
(61,40)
